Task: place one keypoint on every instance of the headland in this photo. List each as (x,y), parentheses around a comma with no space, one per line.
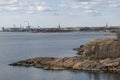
(100,55)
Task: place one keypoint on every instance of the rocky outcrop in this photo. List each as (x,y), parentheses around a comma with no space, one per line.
(71,63)
(96,55)
(100,49)
(49,62)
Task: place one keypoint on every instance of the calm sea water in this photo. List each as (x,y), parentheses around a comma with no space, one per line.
(19,46)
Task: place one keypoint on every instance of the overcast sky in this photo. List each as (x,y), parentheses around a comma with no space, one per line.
(51,13)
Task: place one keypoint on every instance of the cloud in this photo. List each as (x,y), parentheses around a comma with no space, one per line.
(7,1)
(88,11)
(114,4)
(85,6)
(90,6)
(37,6)
(26,6)
(43,8)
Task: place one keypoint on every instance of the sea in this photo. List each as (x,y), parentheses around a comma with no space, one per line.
(16,46)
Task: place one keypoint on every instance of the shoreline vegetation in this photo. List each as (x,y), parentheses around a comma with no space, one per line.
(101,55)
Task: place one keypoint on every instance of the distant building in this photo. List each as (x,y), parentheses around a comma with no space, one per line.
(59,27)
(106,25)
(3,29)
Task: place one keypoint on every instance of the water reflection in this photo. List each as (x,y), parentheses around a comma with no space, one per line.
(102,76)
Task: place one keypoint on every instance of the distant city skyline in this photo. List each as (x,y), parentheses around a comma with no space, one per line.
(67,13)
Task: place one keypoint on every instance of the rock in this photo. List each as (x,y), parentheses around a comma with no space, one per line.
(110,63)
(80,50)
(100,49)
(71,63)
(114,64)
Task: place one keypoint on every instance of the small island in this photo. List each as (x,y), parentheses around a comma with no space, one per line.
(101,55)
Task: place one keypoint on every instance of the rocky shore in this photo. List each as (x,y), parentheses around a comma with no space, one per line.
(71,63)
(97,55)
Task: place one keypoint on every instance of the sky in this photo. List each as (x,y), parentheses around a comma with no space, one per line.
(67,13)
